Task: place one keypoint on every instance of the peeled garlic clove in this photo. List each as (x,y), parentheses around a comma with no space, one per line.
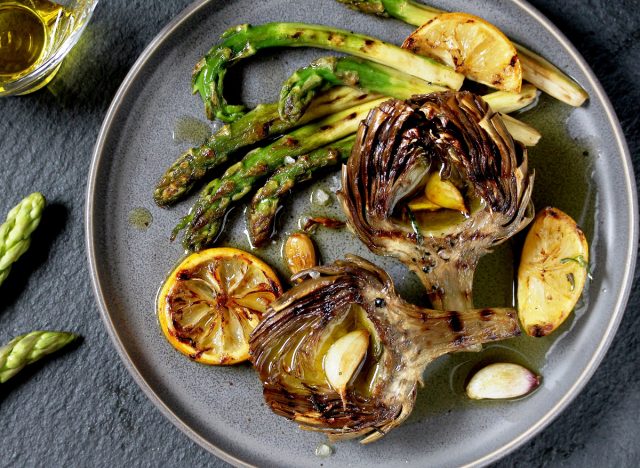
(423,204)
(299,252)
(343,359)
(443,193)
(500,381)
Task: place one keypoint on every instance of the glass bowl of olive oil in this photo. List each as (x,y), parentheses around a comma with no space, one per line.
(35,36)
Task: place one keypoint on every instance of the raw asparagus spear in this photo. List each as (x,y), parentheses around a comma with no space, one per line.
(259,124)
(15,233)
(299,90)
(204,221)
(244,41)
(266,201)
(26,349)
(536,70)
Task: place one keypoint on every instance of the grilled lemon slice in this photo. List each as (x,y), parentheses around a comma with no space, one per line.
(552,272)
(471,46)
(212,301)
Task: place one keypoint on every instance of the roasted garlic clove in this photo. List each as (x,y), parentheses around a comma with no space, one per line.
(443,193)
(299,252)
(343,359)
(423,204)
(502,381)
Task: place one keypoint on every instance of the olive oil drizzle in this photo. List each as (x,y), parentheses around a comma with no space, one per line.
(27,31)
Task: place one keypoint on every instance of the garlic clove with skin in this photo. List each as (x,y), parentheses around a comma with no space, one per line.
(502,381)
(299,252)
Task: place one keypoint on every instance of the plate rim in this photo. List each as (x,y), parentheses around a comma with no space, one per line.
(545,420)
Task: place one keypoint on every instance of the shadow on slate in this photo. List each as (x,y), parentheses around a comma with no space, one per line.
(84,83)
(32,369)
(54,219)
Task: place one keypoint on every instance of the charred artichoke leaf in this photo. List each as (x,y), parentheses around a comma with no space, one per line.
(458,135)
(289,347)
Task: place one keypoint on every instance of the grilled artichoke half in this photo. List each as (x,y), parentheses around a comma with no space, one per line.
(290,348)
(398,146)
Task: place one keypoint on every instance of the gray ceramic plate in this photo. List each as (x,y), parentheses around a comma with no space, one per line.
(582,166)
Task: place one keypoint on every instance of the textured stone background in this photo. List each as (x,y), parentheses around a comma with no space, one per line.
(81,408)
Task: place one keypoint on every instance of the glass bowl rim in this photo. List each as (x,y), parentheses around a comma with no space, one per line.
(22,84)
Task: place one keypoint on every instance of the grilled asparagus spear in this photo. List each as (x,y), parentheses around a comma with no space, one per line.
(259,124)
(263,121)
(244,41)
(15,233)
(536,70)
(301,87)
(204,221)
(299,90)
(28,348)
(266,201)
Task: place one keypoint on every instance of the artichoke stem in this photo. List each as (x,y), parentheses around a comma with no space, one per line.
(450,284)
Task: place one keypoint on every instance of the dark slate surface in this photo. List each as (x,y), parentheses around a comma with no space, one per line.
(82,407)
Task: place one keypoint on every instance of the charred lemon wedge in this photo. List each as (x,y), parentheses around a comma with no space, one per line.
(212,301)
(552,272)
(472,46)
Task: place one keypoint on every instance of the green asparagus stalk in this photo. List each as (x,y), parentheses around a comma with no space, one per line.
(260,123)
(405,10)
(302,86)
(368,76)
(244,41)
(26,349)
(299,90)
(267,200)
(205,219)
(535,69)
(15,233)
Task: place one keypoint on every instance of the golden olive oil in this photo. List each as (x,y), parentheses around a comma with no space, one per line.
(28,29)
(191,130)
(140,218)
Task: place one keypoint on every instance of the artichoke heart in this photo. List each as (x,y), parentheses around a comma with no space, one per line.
(301,349)
(399,148)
